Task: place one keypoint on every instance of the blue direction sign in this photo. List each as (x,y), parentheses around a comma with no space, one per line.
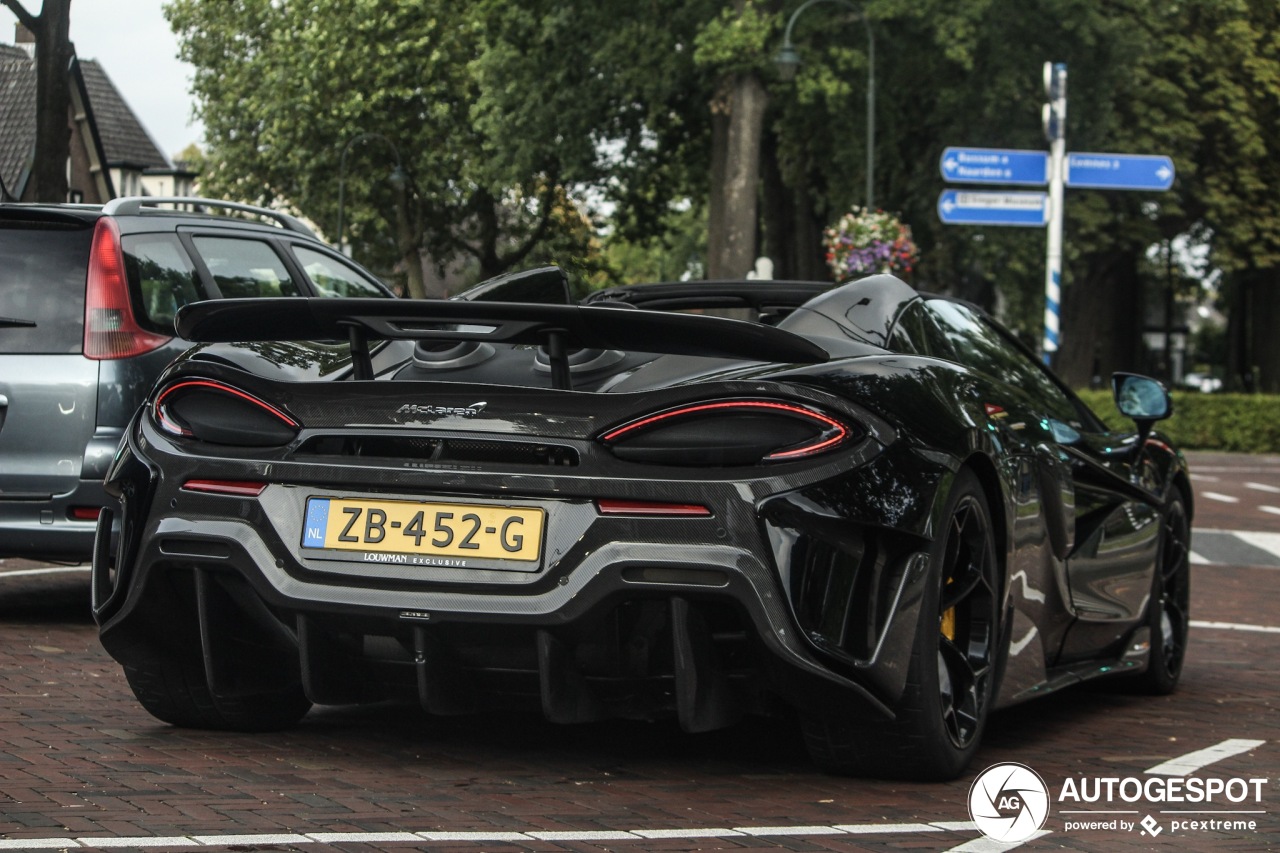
(995,166)
(961,207)
(1119,171)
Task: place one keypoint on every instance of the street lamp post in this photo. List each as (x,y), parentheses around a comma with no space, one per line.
(397,176)
(788,61)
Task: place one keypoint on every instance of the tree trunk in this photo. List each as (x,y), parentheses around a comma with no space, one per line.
(54,52)
(777,212)
(1254,361)
(1101,321)
(811,262)
(792,232)
(407,244)
(733,254)
(716,202)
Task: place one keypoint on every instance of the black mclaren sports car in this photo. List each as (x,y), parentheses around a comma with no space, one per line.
(863,505)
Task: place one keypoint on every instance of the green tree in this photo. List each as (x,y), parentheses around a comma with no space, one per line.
(283,87)
(503,113)
(1223,57)
(1196,80)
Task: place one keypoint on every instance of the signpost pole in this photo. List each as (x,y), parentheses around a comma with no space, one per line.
(1055,121)
(1058,169)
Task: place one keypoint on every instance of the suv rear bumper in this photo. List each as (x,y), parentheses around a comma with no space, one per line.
(45,530)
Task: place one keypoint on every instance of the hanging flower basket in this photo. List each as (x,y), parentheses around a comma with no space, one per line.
(866,242)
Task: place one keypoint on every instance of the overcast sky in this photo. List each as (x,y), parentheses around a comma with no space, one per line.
(133,43)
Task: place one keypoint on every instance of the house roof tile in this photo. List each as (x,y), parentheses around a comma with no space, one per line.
(17,114)
(124,140)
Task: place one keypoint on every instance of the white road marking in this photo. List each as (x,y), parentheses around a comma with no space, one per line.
(475,836)
(988,845)
(1218,496)
(1263,487)
(790,830)
(524,836)
(1204,478)
(1197,560)
(251,840)
(878,828)
(1191,762)
(1235,626)
(158,841)
(1265,541)
(685,833)
(1274,510)
(583,835)
(1214,547)
(361,837)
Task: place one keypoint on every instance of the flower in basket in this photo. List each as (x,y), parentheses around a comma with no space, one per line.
(865,242)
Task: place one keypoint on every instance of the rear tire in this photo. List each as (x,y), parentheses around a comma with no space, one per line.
(951,675)
(177,693)
(1169,610)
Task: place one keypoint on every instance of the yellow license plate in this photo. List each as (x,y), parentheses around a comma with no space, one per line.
(434,529)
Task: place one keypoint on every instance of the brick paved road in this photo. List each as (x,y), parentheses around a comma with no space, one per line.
(80,760)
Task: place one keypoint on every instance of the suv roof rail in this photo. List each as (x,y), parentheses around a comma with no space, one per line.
(132,205)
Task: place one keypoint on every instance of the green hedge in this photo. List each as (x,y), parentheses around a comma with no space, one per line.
(1242,423)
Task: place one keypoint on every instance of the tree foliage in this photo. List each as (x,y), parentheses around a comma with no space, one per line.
(285,87)
(503,112)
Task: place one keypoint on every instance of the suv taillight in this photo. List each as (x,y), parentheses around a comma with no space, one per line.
(110,329)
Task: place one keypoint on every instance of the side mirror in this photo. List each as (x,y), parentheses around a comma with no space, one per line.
(1143,399)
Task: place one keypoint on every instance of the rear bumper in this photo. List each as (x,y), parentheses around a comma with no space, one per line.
(45,530)
(694,617)
(700,633)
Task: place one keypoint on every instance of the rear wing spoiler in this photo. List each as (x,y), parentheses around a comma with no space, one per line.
(557,327)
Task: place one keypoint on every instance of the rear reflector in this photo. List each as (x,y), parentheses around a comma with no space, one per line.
(612,507)
(238,488)
(84,513)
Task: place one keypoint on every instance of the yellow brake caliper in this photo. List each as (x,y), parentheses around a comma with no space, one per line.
(949,621)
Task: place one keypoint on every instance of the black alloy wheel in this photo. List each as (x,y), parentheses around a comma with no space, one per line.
(966,622)
(951,678)
(1169,611)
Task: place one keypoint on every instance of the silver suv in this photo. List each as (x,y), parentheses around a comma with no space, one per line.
(87,300)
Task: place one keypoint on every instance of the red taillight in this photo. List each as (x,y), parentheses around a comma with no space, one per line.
(727,433)
(615,507)
(235,488)
(218,413)
(110,329)
(84,513)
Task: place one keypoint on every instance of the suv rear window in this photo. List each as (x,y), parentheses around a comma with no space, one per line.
(164,277)
(245,268)
(333,278)
(42,279)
